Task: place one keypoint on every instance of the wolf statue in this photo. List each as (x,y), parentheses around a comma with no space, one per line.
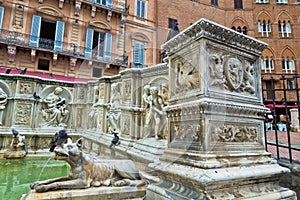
(85,172)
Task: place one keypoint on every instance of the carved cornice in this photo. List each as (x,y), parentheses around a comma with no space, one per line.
(214,31)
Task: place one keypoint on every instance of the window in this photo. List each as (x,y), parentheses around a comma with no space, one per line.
(214,2)
(240,30)
(238,4)
(103,2)
(281,1)
(262,1)
(138,55)
(1,16)
(264,27)
(290,84)
(46,34)
(141,8)
(284,28)
(288,65)
(267,64)
(98,45)
(171,23)
(97,72)
(43,64)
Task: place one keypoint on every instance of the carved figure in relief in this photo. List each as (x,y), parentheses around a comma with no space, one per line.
(217,71)
(187,77)
(248,84)
(93,118)
(3,102)
(147,99)
(236,134)
(156,118)
(114,112)
(55,113)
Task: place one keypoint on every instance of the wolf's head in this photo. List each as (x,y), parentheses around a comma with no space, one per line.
(69,151)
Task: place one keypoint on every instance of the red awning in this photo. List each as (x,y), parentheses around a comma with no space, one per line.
(271,106)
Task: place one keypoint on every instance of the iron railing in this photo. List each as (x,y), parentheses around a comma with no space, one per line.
(280,140)
(71,49)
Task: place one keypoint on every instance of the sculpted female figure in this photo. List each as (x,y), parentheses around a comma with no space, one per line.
(3,102)
(114,111)
(55,112)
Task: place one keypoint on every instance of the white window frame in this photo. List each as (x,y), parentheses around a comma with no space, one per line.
(262,1)
(288,65)
(267,64)
(282,1)
(264,25)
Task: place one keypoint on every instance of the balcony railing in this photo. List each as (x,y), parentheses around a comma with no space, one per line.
(44,44)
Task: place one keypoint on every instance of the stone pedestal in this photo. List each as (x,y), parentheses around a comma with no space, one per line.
(215,120)
(93,193)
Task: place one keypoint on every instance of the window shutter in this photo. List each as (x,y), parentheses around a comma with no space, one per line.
(109,3)
(138,54)
(143,5)
(259,26)
(89,42)
(35,31)
(107,47)
(59,36)
(1,16)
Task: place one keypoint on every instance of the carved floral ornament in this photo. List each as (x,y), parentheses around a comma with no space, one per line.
(234,133)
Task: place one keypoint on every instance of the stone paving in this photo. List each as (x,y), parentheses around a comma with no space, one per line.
(283,140)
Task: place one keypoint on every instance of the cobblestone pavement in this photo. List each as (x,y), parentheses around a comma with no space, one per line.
(283,140)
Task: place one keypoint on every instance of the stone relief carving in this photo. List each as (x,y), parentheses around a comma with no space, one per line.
(3,102)
(114,112)
(127,90)
(234,73)
(23,112)
(26,88)
(81,93)
(230,73)
(54,111)
(232,133)
(217,77)
(184,132)
(125,125)
(187,76)
(155,116)
(93,118)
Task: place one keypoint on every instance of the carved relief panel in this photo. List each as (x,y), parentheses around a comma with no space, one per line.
(126,90)
(22,114)
(125,124)
(26,87)
(231,73)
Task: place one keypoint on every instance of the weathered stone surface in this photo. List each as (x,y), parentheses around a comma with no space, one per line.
(93,193)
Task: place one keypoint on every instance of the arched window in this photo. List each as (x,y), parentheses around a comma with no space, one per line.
(288,64)
(284,27)
(264,27)
(267,64)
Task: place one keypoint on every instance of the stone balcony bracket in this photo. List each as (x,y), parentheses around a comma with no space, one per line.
(55,55)
(93,11)
(11,52)
(73,63)
(33,54)
(61,4)
(109,14)
(77,8)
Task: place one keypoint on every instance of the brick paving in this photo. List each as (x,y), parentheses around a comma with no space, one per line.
(283,140)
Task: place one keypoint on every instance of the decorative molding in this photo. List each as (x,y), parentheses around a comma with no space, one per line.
(100,24)
(140,37)
(213,31)
(49,10)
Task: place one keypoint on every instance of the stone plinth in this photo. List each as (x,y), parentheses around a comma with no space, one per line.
(215,120)
(294,119)
(93,193)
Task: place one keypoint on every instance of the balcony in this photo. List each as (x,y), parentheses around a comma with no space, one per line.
(58,47)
